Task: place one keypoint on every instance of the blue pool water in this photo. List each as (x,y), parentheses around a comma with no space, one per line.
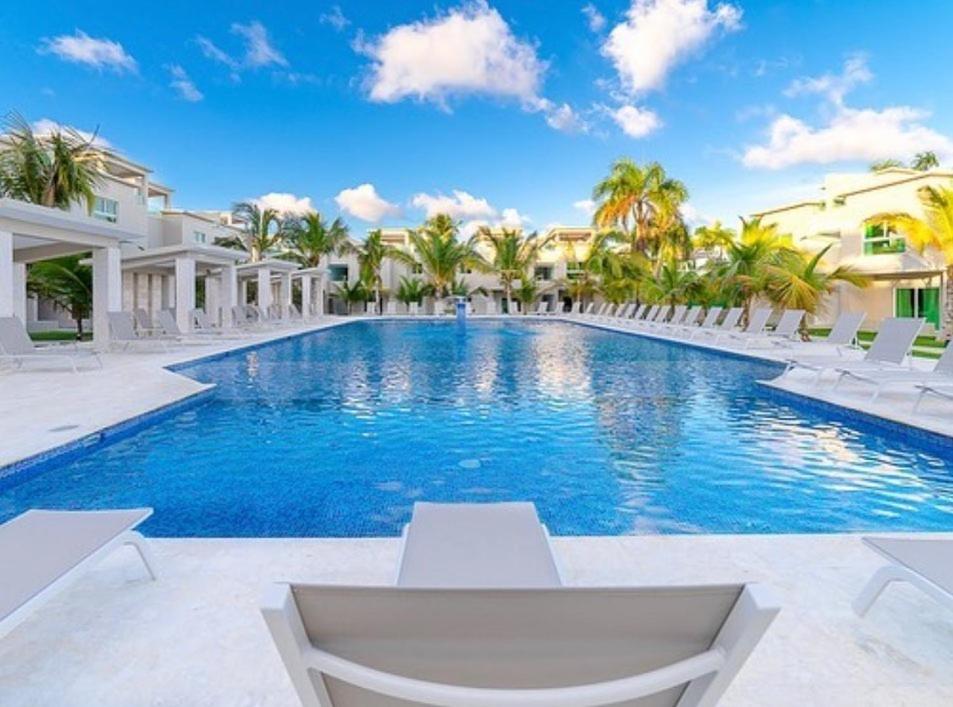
(337,433)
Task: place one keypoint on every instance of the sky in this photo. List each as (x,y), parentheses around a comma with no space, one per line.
(503,112)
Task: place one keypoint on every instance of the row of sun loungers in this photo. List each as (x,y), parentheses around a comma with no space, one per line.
(478,615)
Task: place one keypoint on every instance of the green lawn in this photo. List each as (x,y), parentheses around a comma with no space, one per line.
(57,336)
(865,337)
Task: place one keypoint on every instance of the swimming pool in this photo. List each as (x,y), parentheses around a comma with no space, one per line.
(338,432)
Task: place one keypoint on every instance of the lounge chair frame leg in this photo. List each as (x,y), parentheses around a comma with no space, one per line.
(875,586)
(141,545)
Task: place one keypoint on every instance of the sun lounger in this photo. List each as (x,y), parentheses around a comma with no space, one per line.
(709,322)
(843,335)
(941,374)
(944,391)
(728,323)
(688,320)
(678,314)
(17,347)
(653,313)
(783,333)
(479,619)
(42,551)
(888,352)
(143,320)
(169,327)
(755,327)
(123,332)
(925,563)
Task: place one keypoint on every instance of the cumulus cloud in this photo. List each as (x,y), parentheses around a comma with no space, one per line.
(258,50)
(335,18)
(595,19)
(848,133)
(657,35)
(285,204)
(184,85)
(458,205)
(467,50)
(365,203)
(511,218)
(99,53)
(635,122)
(587,206)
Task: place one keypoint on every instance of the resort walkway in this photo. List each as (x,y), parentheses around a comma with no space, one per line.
(195,637)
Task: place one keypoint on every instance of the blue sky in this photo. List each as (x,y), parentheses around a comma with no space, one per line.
(497,111)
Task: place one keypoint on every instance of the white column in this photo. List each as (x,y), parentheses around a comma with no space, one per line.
(184,292)
(155,293)
(229,293)
(212,299)
(6,274)
(107,292)
(284,293)
(168,292)
(322,296)
(19,291)
(306,307)
(141,288)
(243,293)
(264,289)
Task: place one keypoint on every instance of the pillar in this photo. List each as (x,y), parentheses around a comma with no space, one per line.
(107,292)
(284,294)
(264,289)
(168,292)
(184,292)
(19,291)
(229,293)
(6,274)
(155,293)
(306,305)
(212,298)
(243,295)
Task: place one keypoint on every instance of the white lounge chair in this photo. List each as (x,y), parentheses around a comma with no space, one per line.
(944,391)
(688,320)
(541,308)
(201,323)
(755,327)
(515,638)
(170,328)
(651,314)
(728,323)
(784,332)
(709,322)
(942,374)
(576,309)
(17,347)
(925,563)
(843,335)
(42,551)
(674,319)
(123,332)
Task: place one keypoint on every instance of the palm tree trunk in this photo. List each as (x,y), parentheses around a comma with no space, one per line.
(948,304)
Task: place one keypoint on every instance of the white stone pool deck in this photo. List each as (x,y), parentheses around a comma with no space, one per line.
(195,637)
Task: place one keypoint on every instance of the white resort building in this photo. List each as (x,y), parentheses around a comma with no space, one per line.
(905,283)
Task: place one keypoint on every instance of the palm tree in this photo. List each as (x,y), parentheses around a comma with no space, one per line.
(934,230)
(924,161)
(527,293)
(263,230)
(513,255)
(310,239)
(714,238)
(439,254)
(56,169)
(370,257)
(674,285)
(794,281)
(412,289)
(352,293)
(631,198)
(66,282)
(885,164)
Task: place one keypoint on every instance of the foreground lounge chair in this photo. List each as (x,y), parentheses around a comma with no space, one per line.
(478,619)
(123,332)
(944,391)
(925,563)
(41,552)
(941,374)
(144,324)
(17,347)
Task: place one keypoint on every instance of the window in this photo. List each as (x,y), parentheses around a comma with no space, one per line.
(879,239)
(338,273)
(543,272)
(106,209)
(199,237)
(918,302)
(418,269)
(574,270)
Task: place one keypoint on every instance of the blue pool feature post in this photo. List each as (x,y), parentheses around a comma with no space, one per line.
(461,309)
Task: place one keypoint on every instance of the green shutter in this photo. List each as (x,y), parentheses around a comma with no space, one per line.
(931,305)
(904,302)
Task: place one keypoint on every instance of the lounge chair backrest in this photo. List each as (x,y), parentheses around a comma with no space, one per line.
(541,307)
(731,319)
(691,316)
(168,324)
(626,311)
(14,340)
(397,647)
(789,323)
(758,320)
(653,313)
(603,309)
(677,314)
(239,314)
(577,307)
(894,339)
(711,318)
(636,311)
(121,326)
(143,320)
(200,319)
(845,328)
(660,313)
(253,313)
(945,363)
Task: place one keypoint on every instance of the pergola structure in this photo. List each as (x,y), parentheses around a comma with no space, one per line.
(30,233)
(165,278)
(313,283)
(262,273)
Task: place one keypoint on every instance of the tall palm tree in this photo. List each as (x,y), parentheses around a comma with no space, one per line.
(631,197)
(263,230)
(310,238)
(66,282)
(440,254)
(933,230)
(55,169)
(714,238)
(371,255)
(674,285)
(924,161)
(513,255)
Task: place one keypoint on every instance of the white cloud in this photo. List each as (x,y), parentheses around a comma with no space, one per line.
(259,50)
(511,218)
(211,51)
(595,19)
(45,126)
(80,48)
(635,122)
(461,205)
(852,134)
(564,118)
(587,206)
(468,50)
(656,35)
(364,203)
(335,18)
(285,204)
(834,86)
(184,85)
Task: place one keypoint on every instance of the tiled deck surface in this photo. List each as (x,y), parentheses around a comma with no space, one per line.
(195,637)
